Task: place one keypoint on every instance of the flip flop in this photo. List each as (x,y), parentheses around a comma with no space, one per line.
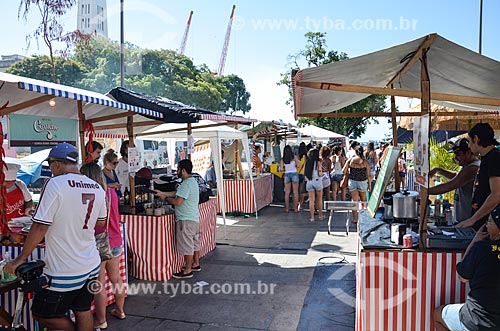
(120,316)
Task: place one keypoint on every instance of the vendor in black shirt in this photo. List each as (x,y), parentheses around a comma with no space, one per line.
(480,267)
(486,193)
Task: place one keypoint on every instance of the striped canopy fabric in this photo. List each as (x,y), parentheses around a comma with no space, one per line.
(85,96)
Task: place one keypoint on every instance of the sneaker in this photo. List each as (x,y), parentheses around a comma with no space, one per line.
(182,275)
(197,268)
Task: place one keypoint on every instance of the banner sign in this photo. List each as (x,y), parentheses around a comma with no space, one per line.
(29,130)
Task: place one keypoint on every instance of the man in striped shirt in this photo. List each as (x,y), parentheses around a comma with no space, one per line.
(70,206)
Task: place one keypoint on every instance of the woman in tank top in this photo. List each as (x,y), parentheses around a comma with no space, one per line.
(289,164)
(313,173)
(336,176)
(360,181)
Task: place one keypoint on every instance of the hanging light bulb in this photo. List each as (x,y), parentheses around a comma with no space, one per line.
(52,102)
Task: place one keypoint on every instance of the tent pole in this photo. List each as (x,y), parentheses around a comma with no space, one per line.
(130,131)
(397,180)
(425,87)
(238,157)
(189,132)
(81,128)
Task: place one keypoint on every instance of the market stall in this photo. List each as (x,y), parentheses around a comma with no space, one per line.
(397,288)
(152,245)
(43,114)
(232,192)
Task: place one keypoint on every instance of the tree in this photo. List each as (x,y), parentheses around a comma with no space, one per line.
(163,73)
(50,29)
(70,72)
(316,54)
(237,98)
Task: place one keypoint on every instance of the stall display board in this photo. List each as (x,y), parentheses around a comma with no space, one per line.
(390,158)
(134,160)
(421,149)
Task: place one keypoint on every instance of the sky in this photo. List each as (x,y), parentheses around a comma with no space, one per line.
(265,33)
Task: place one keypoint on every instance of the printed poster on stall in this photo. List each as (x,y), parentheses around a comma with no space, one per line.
(134,161)
(190,144)
(421,150)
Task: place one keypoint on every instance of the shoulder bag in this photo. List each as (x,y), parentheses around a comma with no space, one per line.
(102,240)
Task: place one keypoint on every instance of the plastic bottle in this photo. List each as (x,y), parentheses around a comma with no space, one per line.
(151,188)
(126,196)
(6,277)
(436,183)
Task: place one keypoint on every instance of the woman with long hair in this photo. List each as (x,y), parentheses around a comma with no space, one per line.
(111,267)
(289,164)
(300,170)
(360,181)
(336,176)
(326,165)
(314,186)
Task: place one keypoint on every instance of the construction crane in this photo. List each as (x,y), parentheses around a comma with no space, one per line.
(186,32)
(222,62)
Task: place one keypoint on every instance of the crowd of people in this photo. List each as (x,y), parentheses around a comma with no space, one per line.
(322,173)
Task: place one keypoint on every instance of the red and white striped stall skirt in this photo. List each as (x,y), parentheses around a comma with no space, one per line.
(151,240)
(239,194)
(399,290)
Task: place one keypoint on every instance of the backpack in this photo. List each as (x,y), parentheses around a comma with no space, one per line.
(205,190)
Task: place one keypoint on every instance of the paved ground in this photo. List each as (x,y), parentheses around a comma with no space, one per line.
(286,264)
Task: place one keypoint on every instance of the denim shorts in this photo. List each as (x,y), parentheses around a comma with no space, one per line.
(355,185)
(314,185)
(451,316)
(291,177)
(117,251)
(337,177)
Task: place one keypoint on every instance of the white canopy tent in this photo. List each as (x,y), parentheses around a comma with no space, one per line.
(215,136)
(460,78)
(317,133)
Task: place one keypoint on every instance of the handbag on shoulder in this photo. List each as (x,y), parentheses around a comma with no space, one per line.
(102,240)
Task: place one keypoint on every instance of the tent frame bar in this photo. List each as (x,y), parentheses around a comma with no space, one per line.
(399,93)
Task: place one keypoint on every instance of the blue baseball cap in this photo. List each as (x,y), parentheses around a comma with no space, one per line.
(63,151)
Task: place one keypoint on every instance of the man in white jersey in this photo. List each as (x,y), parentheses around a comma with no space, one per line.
(70,205)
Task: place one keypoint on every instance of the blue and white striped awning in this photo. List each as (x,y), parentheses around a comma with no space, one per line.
(85,96)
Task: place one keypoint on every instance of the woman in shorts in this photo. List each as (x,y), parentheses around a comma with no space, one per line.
(289,164)
(336,176)
(314,185)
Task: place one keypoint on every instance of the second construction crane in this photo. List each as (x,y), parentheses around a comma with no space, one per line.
(186,32)
(222,63)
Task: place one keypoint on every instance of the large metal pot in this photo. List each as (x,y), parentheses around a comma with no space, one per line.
(405,205)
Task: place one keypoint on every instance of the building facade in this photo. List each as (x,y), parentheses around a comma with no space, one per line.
(92,17)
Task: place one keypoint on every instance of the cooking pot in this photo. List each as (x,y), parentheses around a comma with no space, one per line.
(405,205)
